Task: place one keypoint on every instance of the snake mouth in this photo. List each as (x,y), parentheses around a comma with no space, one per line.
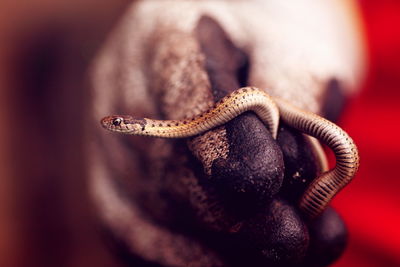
(105,122)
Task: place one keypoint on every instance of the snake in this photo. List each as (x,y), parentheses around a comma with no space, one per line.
(270,110)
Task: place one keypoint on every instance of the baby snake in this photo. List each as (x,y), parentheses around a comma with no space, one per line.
(319,192)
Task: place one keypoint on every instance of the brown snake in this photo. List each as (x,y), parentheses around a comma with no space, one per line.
(319,192)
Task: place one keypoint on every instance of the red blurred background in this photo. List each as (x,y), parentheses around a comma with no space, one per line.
(371,204)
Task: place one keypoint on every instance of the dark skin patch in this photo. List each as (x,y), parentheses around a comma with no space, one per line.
(261,231)
(328,236)
(334,100)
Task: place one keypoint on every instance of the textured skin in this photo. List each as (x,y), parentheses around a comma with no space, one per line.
(328,239)
(283,225)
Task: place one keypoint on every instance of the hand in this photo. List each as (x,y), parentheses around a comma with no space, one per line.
(237,180)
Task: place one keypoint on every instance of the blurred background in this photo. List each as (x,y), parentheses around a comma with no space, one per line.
(45,215)
(371,205)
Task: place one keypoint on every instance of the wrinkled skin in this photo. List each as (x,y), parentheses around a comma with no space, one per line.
(227,197)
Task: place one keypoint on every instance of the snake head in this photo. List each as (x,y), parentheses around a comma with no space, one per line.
(124,124)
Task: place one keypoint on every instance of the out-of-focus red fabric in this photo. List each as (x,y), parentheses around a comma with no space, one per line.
(371,204)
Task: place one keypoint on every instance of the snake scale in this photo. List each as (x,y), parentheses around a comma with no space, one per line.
(318,194)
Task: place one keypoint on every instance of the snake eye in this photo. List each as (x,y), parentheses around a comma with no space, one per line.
(117,122)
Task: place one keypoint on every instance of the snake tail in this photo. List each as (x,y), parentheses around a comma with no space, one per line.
(328,184)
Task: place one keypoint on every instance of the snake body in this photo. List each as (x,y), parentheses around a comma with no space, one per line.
(328,184)
(320,191)
(229,107)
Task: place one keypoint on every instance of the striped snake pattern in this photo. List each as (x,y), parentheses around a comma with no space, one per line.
(325,187)
(269,110)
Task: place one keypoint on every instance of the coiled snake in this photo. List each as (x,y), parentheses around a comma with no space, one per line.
(319,192)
